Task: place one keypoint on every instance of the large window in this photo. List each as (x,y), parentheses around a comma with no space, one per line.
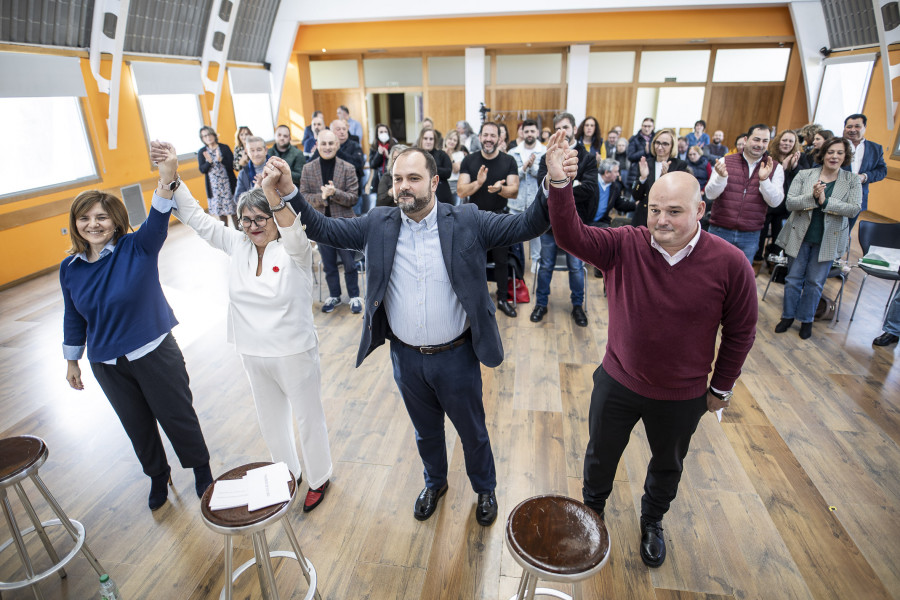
(843,91)
(47,143)
(170,103)
(252,101)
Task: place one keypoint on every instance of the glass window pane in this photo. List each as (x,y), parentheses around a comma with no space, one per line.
(173,118)
(333,74)
(529,68)
(51,128)
(843,93)
(751,64)
(611,67)
(644,106)
(254,111)
(447,70)
(393,72)
(679,107)
(674,65)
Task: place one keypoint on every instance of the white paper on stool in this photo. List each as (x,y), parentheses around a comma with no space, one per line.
(259,488)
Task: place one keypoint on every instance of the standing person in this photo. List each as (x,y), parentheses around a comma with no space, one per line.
(503,144)
(649,170)
(240,156)
(386,185)
(698,137)
(467,136)
(819,138)
(640,143)
(589,136)
(329,185)
(251,174)
(699,166)
(891,327)
(785,149)
(270,321)
(868,157)
(528,156)
(585,186)
(612,139)
(432,302)
(427,140)
(113,303)
(669,287)
(215,161)
(822,201)
(315,126)
(621,157)
(739,143)
(489,178)
(283,149)
(744,186)
(716,149)
(379,152)
(454,150)
(682,149)
(354,126)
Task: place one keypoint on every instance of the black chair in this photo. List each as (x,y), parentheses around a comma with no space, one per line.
(836,271)
(562,265)
(886,235)
(515,267)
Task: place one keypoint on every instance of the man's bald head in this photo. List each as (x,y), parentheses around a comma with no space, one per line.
(327,144)
(674,209)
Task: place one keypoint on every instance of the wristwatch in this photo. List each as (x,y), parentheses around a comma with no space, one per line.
(724,396)
(171,186)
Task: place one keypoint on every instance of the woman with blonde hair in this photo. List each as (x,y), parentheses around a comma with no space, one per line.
(663,159)
(241,158)
(454,150)
(428,141)
(114,305)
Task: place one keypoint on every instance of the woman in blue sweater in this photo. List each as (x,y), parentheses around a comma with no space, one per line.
(115,305)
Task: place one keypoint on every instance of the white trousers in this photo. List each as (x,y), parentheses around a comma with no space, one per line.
(287,386)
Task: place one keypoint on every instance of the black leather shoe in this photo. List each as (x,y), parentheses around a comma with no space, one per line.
(538,313)
(486,511)
(202,479)
(653,545)
(805,330)
(427,502)
(159,490)
(783,325)
(885,339)
(507,308)
(578,316)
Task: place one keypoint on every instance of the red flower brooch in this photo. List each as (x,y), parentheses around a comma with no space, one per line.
(276,269)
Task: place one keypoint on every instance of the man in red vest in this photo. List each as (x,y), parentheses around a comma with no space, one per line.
(743,187)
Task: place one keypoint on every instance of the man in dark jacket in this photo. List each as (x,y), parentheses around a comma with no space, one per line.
(288,153)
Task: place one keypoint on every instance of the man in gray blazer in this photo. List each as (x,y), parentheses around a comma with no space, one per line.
(427,293)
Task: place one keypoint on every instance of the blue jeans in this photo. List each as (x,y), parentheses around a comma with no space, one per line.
(745,241)
(545,273)
(892,320)
(333,276)
(803,284)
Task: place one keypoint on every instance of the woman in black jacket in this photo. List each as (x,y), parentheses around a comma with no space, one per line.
(379,151)
(663,159)
(786,149)
(426,142)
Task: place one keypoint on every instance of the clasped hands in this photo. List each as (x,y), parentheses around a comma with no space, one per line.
(561,160)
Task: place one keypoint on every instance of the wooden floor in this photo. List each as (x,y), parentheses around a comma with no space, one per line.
(796,494)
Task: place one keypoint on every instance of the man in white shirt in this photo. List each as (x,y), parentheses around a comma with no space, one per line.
(868,157)
(528,158)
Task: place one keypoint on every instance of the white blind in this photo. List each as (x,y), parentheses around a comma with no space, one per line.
(40,76)
(154,78)
(249,81)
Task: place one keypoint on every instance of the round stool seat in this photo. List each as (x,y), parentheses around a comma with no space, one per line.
(240,516)
(557,535)
(19,453)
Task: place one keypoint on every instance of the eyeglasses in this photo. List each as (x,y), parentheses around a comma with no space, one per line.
(258,221)
(661,143)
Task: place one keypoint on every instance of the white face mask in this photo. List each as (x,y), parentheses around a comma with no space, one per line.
(383,137)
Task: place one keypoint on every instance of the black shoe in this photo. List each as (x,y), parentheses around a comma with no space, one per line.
(427,502)
(507,308)
(538,313)
(598,273)
(885,339)
(805,330)
(578,316)
(159,490)
(486,511)
(653,545)
(202,479)
(783,325)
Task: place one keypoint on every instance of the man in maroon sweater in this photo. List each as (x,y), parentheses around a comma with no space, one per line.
(669,287)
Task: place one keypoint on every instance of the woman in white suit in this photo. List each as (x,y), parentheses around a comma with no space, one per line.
(822,201)
(270,316)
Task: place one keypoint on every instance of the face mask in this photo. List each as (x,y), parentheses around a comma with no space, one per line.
(383,137)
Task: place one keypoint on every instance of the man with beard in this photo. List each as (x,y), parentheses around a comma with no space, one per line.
(287,152)
(427,294)
(716,149)
(488,178)
(527,155)
(311,132)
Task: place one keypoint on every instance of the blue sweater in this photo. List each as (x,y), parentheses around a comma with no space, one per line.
(116,304)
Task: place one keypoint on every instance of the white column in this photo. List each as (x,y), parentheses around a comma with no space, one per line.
(474,85)
(809,27)
(576,99)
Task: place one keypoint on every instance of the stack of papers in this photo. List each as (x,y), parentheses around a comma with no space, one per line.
(878,257)
(259,488)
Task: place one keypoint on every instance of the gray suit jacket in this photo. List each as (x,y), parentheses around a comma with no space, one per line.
(466,235)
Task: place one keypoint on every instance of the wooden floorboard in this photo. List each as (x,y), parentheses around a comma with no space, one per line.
(795,494)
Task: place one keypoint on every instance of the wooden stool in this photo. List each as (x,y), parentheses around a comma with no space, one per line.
(557,539)
(21,457)
(240,521)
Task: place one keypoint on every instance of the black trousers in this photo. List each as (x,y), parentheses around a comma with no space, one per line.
(614,412)
(155,388)
(500,256)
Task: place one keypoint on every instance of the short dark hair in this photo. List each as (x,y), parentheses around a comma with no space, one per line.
(429,159)
(283,125)
(857,116)
(529,123)
(344,108)
(848,151)
(738,138)
(758,126)
(700,122)
(651,119)
(492,124)
(317,113)
(564,115)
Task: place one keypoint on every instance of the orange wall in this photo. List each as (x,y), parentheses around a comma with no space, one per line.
(674,26)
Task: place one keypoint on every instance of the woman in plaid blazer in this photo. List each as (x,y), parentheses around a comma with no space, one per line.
(822,201)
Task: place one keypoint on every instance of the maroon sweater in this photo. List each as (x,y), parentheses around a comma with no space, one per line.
(663,319)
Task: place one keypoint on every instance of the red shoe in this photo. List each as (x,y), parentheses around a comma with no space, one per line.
(314,498)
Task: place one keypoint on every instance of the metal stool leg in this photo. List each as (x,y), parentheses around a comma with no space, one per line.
(20,543)
(258,554)
(67,523)
(38,527)
(227,591)
(311,578)
(267,564)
